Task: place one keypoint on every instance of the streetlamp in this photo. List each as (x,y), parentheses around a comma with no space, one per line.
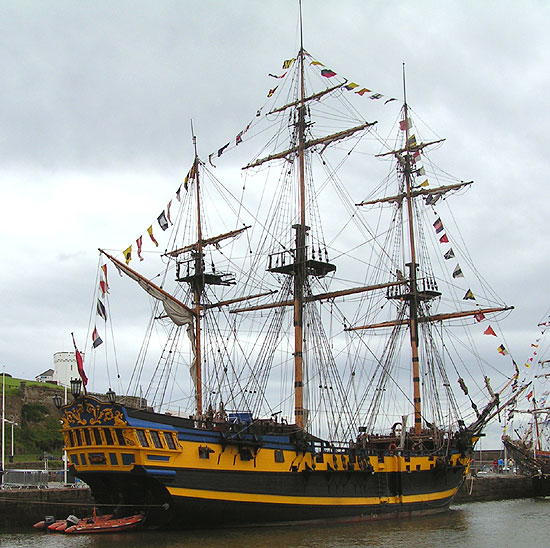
(76,387)
(111,396)
(57,401)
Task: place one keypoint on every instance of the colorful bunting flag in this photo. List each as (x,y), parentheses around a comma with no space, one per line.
(96,339)
(530,395)
(390,100)
(457,273)
(438,225)
(351,85)
(178,196)
(104,269)
(327,73)
(376,96)
(411,141)
(449,254)
(127,254)
(534,345)
(490,331)
(443,239)
(139,243)
(502,350)
(479,316)
(222,150)
(363,91)
(469,296)
(425,183)
(101,312)
(168,212)
(289,62)
(419,172)
(275,76)
(272,91)
(103,287)
(239,138)
(163,222)
(150,232)
(405,124)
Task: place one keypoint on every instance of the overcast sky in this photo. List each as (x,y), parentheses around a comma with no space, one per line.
(95,111)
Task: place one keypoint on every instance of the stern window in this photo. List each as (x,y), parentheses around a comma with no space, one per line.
(142,438)
(97,436)
(156,439)
(169,440)
(108,436)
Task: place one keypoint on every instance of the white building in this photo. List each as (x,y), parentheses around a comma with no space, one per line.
(65,368)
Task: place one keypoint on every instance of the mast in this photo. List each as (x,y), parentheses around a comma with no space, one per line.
(413,295)
(299,272)
(198,282)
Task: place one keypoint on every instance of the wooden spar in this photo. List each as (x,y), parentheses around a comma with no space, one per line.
(418,192)
(238,300)
(409,149)
(307,99)
(209,241)
(198,289)
(306,145)
(319,297)
(300,274)
(137,276)
(434,318)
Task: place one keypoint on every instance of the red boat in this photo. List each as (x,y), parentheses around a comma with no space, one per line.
(105,524)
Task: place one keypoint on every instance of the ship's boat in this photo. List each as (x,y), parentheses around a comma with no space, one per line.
(304,371)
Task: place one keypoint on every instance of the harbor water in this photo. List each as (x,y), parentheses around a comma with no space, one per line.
(502,524)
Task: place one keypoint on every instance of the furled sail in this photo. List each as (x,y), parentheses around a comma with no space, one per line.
(178,312)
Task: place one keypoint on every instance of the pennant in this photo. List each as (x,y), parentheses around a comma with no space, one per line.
(168,212)
(469,296)
(104,269)
(534,345)
(191,174)
(479,316)
(449,254)
(351,85)
(315,63)
(425,183)
(363,91)
(390,100)
(275,76)
(490,331)
(419,172)
(530,395)
(150,232)
(178,196)
(411,141)
(222,150)
(239,138)
(96,339)
(163,221)
(139,243)
(431,199)
(272,91)
(457,272)
(80,364)
(438,225)
(127,254)
(376,96)
(444,239)
(502,350)
(289,62)
(103,288)
(101,312)
(327,73)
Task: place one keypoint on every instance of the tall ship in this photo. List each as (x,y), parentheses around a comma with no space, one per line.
(527,432)
(309,360)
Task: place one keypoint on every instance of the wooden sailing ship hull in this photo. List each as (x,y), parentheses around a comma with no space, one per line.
(206,477)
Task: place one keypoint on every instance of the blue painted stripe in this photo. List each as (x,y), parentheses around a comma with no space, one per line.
(158,457)
(157,472)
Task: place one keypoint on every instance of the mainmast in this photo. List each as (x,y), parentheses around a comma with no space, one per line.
(198,284)
(413,293)
(301,228)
